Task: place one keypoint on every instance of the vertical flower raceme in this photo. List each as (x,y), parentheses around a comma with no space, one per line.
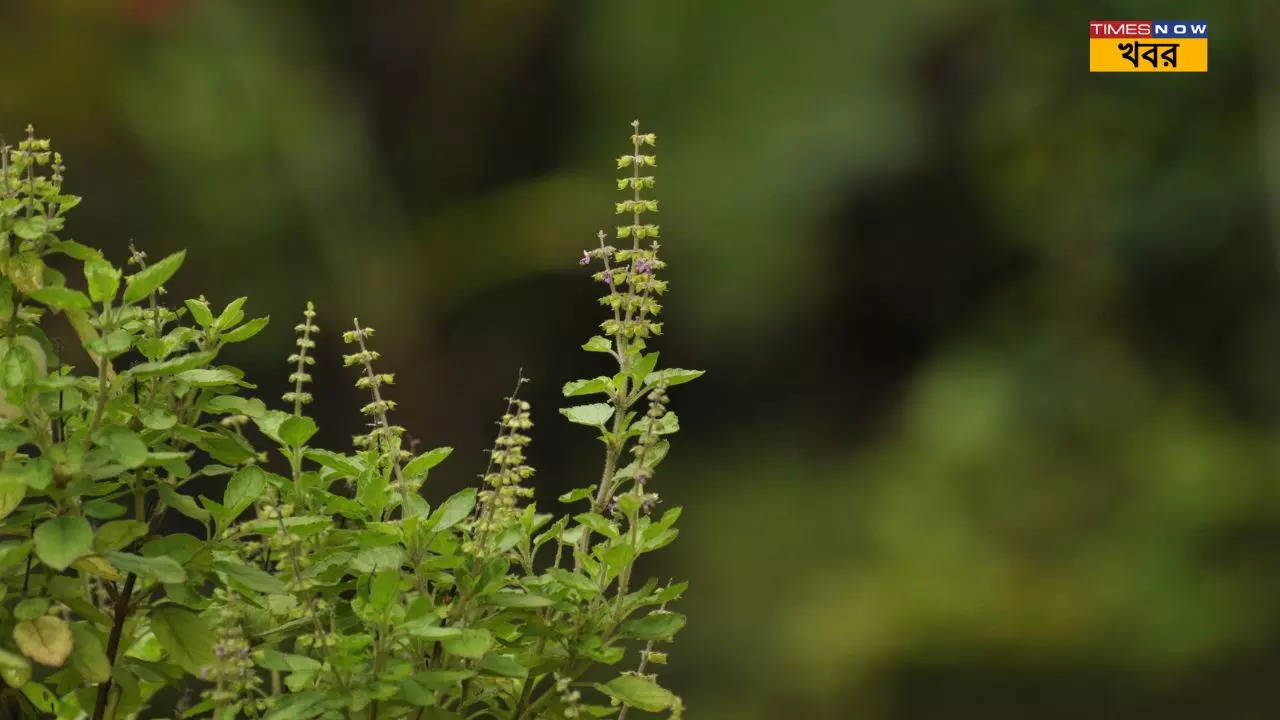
(302,360)
(497,506)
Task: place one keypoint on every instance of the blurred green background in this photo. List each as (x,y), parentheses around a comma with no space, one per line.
(991,418)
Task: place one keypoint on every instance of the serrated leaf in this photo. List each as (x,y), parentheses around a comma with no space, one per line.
(673,376)
(334,461)
(657,625)
(184,504)
(470,643)
(297,430)
(62,298)
(595,414)
(58,542)
(573,388)
(185,637)
(452,511)
(639,692)
(427,460)
(200,311)
(251,577)
(46,639)
(88,657)
(577,494)
(597,344)
(160,568)
(243,488)
(103,280)
(149,279)
(247,330)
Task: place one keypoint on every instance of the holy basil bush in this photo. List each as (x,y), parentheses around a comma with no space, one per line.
(321,583)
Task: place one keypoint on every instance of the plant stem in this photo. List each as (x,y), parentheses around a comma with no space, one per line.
(113,643)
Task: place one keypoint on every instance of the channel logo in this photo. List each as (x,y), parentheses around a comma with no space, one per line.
(1148,46)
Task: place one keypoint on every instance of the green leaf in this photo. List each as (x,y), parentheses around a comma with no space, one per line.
(297,430)
(88,656)
(250,407)
(427,628)
(62,298)
(149,279)
(184,504)
(577,494)
(200,311)
(117,534)
(247,330)
(503,665)
(470,643)
(598,524)
(453,510)
(12,490)
(160,568)
(597,344)
(334,461)
(47,640)
(287,662)
(30,608)
(231,315)
(516,600)
(14,669)
(442,679)
(103,279)
(243,488)
(657,625)
(638,692)
(172,366)
(124,445)
(251,577)
(63,539)
(30,228)
(645,366)
(595,414)
(600,384)
(185,636)
(575,581)
(209,377)
(673,376)
(427,460)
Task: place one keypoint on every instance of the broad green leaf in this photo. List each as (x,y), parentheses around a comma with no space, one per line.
(600,384)
(297,430)
(577,494)
(184,504)
(427,628)
(598,524)
(46,639)
(597,344)
(62,298)
(251,577)
(30,608)
(645,365)
(185,636)
(427,460)
(334,461)
(503,665)
(470,643)
(247,330)
(172,366)
(287,662)
(442,679)
(516,600)
(160,568)
(673,376)
(30,228)
(243,488)
(575,581)
(157,418)
(118,533)
(103,280)
(209,377)
(231,315)
(14,669)
(149,279)
(250,407)
(12,490)
(125,446)
(453,510)
(595,414)
(88,657)
(200,311)
(638,692)
(657,625)
(63,539)
(374,559)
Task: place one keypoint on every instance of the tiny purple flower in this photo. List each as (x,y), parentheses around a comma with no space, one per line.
(585,259)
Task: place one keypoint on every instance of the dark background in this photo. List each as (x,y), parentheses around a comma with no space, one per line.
(990,423)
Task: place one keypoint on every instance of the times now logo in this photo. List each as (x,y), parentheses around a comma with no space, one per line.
(1147,28)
